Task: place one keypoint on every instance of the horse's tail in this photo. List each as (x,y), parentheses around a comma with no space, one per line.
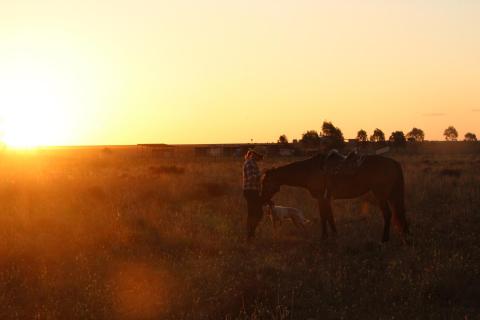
(397,199)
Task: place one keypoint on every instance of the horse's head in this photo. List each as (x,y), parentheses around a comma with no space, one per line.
(270,186)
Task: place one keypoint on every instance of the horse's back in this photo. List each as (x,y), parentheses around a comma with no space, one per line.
(381,164)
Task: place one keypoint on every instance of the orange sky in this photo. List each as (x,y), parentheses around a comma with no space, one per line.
(125,72)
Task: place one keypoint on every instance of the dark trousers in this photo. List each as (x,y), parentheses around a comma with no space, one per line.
(255,212)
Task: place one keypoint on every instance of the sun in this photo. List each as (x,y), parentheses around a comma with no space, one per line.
(34,106)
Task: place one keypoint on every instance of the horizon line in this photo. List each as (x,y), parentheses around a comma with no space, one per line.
(184,144)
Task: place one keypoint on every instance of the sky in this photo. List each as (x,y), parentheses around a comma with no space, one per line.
(218,71)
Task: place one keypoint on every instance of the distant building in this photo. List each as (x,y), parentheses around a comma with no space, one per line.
(286,152)
(216,150)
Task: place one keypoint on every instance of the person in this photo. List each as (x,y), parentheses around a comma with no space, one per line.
(251,191)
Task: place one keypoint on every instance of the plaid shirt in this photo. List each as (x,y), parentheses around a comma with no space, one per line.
(251,175)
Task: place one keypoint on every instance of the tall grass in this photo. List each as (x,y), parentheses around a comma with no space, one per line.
(95,235)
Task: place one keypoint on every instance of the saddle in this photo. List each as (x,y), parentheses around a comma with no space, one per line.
(339,165)
(336,163)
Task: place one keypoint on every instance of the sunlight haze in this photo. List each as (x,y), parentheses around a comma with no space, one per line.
(127,72)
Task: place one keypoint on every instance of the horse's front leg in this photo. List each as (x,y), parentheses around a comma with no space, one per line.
(329,215)
(325,211)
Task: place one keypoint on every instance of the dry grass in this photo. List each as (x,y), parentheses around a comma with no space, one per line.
(102,235)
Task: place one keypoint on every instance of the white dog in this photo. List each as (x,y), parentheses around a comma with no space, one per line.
(279,213)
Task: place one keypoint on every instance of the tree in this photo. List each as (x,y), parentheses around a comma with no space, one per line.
(397,138)
(333,134)
(283,139)
(470,136)
(362,136)
(377,136)
(329,130)
(416,135)
(310,137)
(450,134)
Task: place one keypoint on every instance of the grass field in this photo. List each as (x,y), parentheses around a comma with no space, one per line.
(110,235)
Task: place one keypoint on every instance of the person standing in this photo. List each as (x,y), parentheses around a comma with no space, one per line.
(251,191)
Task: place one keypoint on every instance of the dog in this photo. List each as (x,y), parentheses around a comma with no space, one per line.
(278,214)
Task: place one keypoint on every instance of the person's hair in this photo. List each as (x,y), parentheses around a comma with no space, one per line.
(253,153)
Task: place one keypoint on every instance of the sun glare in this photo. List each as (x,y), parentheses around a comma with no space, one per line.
(34,100)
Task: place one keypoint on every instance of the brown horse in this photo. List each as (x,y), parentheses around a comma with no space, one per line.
(376,174)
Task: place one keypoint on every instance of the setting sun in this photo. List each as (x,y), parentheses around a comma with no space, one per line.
(35,104)
(41,96)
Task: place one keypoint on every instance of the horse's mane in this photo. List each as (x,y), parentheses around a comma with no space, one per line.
(314,161)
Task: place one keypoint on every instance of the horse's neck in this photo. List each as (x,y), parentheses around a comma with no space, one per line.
(292,177)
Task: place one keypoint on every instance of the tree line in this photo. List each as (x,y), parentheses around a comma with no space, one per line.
(334,136)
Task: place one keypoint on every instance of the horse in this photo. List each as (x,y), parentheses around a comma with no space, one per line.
(377,174)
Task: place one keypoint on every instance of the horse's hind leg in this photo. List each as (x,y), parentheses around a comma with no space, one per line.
(397,204)
(387,217)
